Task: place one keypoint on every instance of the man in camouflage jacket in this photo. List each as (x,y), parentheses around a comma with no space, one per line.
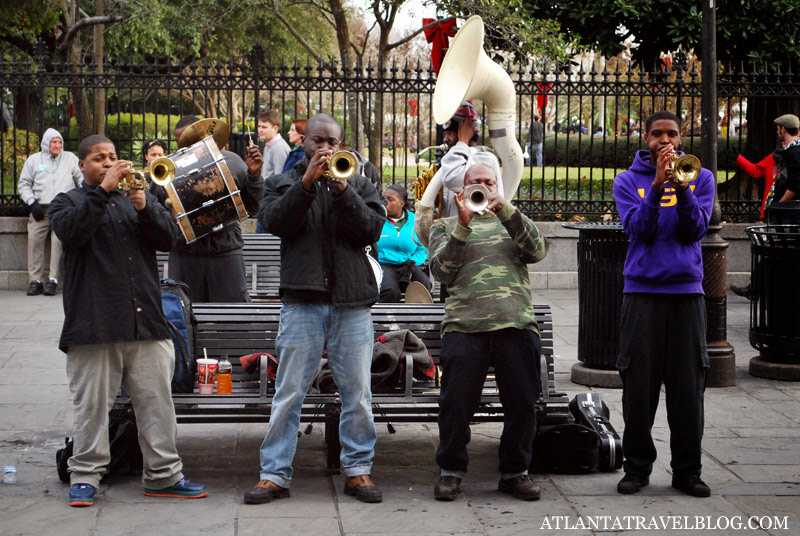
(489,321)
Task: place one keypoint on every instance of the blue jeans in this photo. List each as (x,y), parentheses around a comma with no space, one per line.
(304,331)
(536,149)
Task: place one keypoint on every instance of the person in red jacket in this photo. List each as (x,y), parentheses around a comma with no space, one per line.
(765,169)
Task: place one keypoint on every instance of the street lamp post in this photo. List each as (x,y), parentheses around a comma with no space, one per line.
(715,281)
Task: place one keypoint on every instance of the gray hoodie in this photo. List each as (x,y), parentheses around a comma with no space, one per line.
(45,176)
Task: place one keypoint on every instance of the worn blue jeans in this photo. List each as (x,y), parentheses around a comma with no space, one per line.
(304,332)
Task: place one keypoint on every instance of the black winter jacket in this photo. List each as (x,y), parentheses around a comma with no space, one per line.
(323,238)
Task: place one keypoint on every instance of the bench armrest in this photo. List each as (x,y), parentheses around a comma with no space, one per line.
(409,375)
(263,380)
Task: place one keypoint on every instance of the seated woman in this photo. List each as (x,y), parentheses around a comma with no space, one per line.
(399,256)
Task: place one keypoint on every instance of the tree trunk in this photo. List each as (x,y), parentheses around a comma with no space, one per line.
(26,108)
(80,100)
(99,93)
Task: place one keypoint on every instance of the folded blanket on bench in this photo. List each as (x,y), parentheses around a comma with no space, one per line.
(388,365)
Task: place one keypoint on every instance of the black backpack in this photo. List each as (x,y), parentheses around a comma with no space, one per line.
(126,456)
(176,301)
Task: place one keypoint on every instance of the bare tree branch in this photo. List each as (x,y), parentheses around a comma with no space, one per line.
(412,35)
(294,32)
(82,24)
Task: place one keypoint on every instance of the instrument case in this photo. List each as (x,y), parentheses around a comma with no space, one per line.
(590,410)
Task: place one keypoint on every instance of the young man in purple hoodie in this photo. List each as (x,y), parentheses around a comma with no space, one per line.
(663,309)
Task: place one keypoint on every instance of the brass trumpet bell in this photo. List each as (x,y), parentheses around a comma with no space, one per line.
(342,165)
(684,168)
(162,171)
(476,197)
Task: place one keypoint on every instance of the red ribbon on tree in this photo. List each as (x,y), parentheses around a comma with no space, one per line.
(438,36)
(541,97)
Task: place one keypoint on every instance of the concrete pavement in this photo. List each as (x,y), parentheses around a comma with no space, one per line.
(751,461)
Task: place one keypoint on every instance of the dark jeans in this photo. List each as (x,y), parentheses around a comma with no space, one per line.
(211,278)
(466,358)
(397,278)
(663,341)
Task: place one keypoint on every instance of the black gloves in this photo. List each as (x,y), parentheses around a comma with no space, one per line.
(731,154)
(37,211)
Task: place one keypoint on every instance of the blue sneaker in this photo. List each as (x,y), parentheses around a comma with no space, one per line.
(82,495)
(183,489)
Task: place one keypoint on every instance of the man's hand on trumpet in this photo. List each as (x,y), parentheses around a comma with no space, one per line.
(137,197)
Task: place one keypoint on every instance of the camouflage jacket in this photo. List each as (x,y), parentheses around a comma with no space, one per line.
(485,269)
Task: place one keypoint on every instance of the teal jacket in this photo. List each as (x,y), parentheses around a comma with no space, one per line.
(396,247)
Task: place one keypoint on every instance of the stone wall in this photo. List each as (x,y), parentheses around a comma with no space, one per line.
(558,270)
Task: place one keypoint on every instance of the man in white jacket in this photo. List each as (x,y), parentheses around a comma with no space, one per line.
(45,175)
(461,135)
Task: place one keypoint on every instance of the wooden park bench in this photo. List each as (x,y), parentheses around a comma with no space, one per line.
(262,264)
(240,329)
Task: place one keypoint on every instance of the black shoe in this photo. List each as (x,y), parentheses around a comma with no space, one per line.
(447,488)
(744,292)
(50,288)
(35,288)
(264,492)
(692,485)
(632,483)
(520,487)
(363,488)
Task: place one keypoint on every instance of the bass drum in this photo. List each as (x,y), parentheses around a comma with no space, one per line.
(204,197)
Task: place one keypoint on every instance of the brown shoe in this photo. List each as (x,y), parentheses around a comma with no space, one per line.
(363,488)
(447,488)
(264,492)
(520,487)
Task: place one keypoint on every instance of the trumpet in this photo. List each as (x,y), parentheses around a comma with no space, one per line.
(684,168)
(162,172)
(342,165)
(476,198)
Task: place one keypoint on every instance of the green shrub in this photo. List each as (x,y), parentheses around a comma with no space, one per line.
(16,149)
(615,152)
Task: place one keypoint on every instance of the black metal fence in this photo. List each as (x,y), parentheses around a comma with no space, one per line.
(593,112)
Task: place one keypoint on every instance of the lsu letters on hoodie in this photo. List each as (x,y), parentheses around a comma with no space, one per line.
(664,227)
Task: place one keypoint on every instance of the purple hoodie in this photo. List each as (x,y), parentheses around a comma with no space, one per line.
(664,227)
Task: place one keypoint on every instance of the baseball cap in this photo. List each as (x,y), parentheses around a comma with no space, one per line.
(465,110)
(788,121)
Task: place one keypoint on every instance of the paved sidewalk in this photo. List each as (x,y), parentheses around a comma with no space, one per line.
(751,461)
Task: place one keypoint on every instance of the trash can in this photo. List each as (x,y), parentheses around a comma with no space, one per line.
(774,316)
(602,248)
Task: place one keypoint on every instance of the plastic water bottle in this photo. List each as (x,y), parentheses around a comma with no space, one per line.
(224,376)
(9,474)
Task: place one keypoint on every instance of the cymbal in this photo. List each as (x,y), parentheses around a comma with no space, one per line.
(203,129)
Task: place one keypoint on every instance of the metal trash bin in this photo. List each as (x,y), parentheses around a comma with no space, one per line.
(774,315)
(602,248)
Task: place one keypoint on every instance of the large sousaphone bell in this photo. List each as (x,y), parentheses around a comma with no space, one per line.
(468,73)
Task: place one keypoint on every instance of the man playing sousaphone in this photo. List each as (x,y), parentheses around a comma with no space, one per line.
(489,321)
(461,136)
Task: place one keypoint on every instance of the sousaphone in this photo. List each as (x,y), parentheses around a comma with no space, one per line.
(467,73)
